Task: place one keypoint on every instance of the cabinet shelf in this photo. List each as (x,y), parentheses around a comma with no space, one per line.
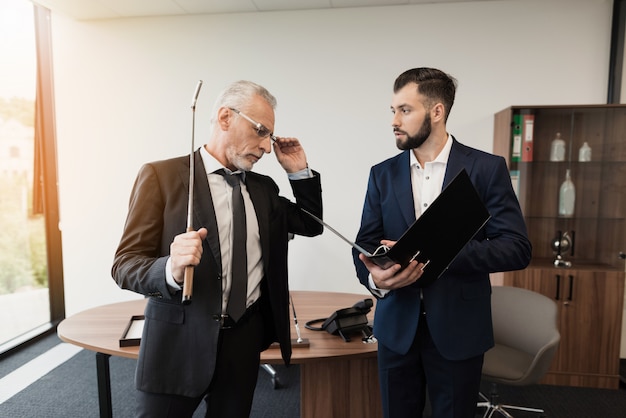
(582,265)
(576,218)
(579,164)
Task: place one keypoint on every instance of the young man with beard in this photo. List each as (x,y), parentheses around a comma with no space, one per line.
(434,337)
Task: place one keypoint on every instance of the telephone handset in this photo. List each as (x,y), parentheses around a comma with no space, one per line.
(347,321)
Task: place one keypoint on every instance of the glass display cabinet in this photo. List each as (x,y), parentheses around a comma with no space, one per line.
(568,167)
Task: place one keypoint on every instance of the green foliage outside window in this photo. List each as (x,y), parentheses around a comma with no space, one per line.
(23,262)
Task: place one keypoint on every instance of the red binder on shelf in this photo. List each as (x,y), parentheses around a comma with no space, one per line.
(528,122)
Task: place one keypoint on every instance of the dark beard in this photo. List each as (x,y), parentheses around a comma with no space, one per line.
(418,139)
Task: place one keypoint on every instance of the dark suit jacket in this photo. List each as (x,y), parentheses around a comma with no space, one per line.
(179,342)
(458,303)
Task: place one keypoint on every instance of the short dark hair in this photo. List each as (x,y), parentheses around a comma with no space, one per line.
(432,83)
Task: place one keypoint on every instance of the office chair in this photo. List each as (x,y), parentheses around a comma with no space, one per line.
(273,374)
(526,340)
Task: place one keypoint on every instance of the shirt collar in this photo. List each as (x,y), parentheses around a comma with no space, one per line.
(211,165)
(441,158)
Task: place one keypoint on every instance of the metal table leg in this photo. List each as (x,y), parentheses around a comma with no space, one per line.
(104,385)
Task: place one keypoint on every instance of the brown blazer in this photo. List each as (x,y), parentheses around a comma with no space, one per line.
(179,342)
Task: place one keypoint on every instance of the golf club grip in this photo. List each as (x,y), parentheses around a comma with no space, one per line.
(188,280)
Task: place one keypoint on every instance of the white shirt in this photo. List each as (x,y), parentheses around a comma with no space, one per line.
(221,193)
(427,181)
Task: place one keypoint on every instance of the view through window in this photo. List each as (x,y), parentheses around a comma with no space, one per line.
(24,294)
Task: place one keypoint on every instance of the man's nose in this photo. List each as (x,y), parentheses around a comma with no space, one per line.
(395,121)
(266,145)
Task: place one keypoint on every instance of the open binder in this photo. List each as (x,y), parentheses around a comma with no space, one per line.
(438,235)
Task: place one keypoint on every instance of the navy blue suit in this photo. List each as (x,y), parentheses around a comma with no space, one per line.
(457,305)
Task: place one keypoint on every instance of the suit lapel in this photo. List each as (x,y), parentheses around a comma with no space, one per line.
(203,210)
(261,203)
(458,160)
(401,184)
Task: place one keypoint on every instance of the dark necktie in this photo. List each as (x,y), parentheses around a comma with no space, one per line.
(239,258)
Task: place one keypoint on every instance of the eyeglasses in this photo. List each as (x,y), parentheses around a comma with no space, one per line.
(261,130)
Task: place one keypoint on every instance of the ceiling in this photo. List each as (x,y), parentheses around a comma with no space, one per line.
(113,9)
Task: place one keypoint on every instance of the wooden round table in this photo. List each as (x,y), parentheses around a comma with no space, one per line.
(337,378)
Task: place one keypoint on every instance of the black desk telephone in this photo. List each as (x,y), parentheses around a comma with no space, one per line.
(347,321)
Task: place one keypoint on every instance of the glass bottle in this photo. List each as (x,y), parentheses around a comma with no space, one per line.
(584,153)
(567,196)
(557,149)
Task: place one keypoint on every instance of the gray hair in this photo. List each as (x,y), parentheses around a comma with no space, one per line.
(238,94)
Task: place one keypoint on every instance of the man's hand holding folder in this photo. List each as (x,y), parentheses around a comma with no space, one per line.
(394,276)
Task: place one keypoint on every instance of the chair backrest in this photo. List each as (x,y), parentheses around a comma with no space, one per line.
(523,319)
(526,321)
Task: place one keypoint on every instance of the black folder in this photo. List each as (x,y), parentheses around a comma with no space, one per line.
(441,232)
(438,235)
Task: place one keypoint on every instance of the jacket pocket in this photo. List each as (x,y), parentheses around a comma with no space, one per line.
(165,312)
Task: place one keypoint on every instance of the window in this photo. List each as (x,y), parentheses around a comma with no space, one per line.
(31,284)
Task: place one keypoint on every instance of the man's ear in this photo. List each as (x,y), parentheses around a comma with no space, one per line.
(224,115)
(438,113)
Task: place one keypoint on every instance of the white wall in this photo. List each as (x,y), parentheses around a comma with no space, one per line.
(123,92)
